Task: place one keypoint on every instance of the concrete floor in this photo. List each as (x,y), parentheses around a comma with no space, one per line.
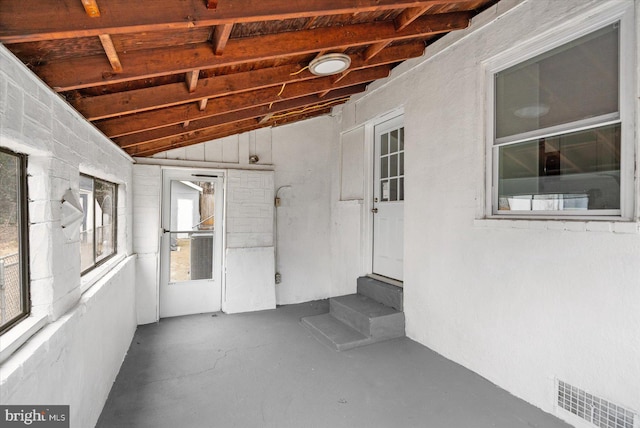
(263,369)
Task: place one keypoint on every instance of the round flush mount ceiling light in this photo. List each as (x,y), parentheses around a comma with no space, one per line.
(333,63)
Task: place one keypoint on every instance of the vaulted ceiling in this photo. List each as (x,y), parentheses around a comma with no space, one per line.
(155,75)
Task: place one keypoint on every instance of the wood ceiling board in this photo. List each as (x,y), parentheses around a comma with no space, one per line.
(91,71)
(236,116)
(101,107)
(119,126)
(31,20)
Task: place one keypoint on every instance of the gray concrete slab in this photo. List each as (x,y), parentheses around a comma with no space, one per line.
(264,369)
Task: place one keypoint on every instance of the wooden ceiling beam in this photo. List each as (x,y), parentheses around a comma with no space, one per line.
(110,50)
(89,71)
(119,126)
(38,20)
(135,101)
(213,134)
(221,37)
(235,116)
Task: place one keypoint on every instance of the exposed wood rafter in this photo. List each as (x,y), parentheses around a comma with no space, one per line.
(110,50)
(178,73)
(30,20)
(135,101)
(91,8)
(221,37)
(191,79)
(156,62)
(118,126)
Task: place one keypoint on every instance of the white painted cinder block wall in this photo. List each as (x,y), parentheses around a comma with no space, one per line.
(522,303)
(76,356)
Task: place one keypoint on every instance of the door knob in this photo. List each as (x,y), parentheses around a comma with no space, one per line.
(374,210)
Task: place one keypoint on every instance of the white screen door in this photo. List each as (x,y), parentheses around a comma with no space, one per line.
(191,243)
(388,202)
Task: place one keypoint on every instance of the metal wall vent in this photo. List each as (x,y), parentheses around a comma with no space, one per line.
(599,412)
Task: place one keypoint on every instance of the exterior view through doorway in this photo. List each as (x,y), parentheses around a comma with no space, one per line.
(388,199)
(191,253)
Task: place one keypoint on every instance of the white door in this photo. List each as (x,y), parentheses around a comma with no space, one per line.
(388,202)
(191,256)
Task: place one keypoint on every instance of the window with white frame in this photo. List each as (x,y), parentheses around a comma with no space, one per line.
(98,230)
(14,260)
(557,146)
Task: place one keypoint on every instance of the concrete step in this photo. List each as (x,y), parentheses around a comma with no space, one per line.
(381,292)
(334,333)
(371,318)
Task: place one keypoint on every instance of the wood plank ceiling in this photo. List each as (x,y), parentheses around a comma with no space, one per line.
(156,75)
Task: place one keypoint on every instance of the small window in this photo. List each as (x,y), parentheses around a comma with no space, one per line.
(98,231)
(558,130)
(14,261)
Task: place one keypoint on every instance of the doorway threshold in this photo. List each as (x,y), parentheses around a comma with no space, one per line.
(386,279)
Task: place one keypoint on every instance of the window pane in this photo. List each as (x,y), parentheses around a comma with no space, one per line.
(13,284)
(401,169)
(401,190)
(572,82)
(401,138)
(575,171)
(86,230)
(105,206)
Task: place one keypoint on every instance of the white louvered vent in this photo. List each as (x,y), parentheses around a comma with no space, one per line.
(599,412)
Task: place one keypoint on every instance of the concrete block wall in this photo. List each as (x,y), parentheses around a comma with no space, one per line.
(147,194)
(249,254)
(302,155)
(249,204)
(86,335)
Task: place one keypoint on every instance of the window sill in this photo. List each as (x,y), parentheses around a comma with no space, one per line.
(608,226)
(93,276)
(19,334)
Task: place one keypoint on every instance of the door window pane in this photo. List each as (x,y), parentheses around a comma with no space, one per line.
(393,193)
(384,144)
(393,147)
(384,167)
(193,223)
(393,165)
